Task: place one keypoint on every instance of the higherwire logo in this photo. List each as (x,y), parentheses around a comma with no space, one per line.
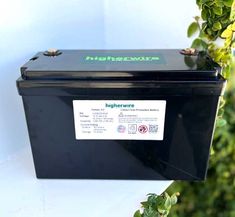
(115,105)
(122,58)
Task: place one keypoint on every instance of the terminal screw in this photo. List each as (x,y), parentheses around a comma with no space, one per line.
(52,52)
(189,52)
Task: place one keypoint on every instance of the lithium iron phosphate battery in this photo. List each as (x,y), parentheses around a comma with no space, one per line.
(121,114)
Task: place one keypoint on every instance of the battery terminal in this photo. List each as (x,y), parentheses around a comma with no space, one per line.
(52,52)
(189,52)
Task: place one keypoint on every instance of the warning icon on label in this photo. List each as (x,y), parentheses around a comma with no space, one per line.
(143,129)
(121,129)
(132,128)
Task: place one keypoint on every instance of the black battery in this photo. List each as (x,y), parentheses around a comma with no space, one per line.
(121,114)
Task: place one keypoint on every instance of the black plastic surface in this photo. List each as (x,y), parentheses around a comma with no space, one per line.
(183,154)
(77,64)
(189,122)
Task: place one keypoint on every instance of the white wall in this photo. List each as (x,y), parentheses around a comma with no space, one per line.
(28,26)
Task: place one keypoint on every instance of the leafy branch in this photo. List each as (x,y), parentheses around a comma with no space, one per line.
(217,21)
(157,205)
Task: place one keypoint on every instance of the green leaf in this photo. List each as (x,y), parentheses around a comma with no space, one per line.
(151,199)
(233,27)
(192,29)
(212,151)
(204,14)
(199,44)
(145,204)
(204,45)
(198,2)
(232,14)
(219,3)
(150,213)
(218,10)
(162,211)
(228,3)
(160,202)
(209,31)
(173,199)
(168,203)
(166,195)
(196,43)
(197,18)
(217,26)
(221,122)
(189,61)
(227,33)
(137,214)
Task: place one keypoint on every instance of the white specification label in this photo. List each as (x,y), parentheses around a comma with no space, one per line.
(119,119)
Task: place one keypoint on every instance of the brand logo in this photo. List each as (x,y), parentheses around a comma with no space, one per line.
(122,58)
(115,105)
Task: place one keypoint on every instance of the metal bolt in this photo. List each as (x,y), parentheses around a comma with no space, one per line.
(52,52)
(189,52)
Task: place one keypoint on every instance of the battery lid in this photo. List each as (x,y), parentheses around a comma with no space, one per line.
(119,64)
